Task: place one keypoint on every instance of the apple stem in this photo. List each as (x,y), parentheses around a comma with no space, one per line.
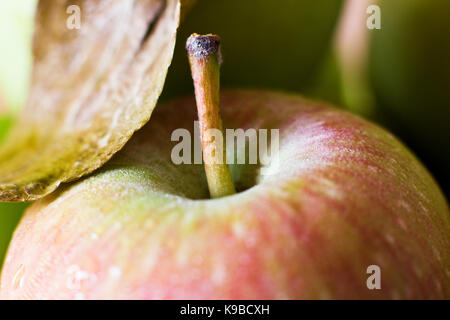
(204,59)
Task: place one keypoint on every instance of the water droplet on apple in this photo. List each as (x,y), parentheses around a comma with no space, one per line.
(94,236)
(402,223)
(389,238)
(115,272)
(78,278)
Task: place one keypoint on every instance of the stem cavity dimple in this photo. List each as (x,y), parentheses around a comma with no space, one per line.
(204,59)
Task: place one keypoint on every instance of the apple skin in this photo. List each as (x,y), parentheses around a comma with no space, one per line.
(347,195)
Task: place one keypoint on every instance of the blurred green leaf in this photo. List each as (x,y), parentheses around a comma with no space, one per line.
(10,214)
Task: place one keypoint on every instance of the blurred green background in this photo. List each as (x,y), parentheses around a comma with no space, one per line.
(16,21)
(10,213)
(266,43)
(398,76)
(410,76)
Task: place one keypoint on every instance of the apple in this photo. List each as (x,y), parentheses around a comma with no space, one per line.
(344,203)
(346,196)
(270,44)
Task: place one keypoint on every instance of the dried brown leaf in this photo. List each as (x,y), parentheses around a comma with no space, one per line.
(91,89)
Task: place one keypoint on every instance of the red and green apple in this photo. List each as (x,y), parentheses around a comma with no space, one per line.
(345,196)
